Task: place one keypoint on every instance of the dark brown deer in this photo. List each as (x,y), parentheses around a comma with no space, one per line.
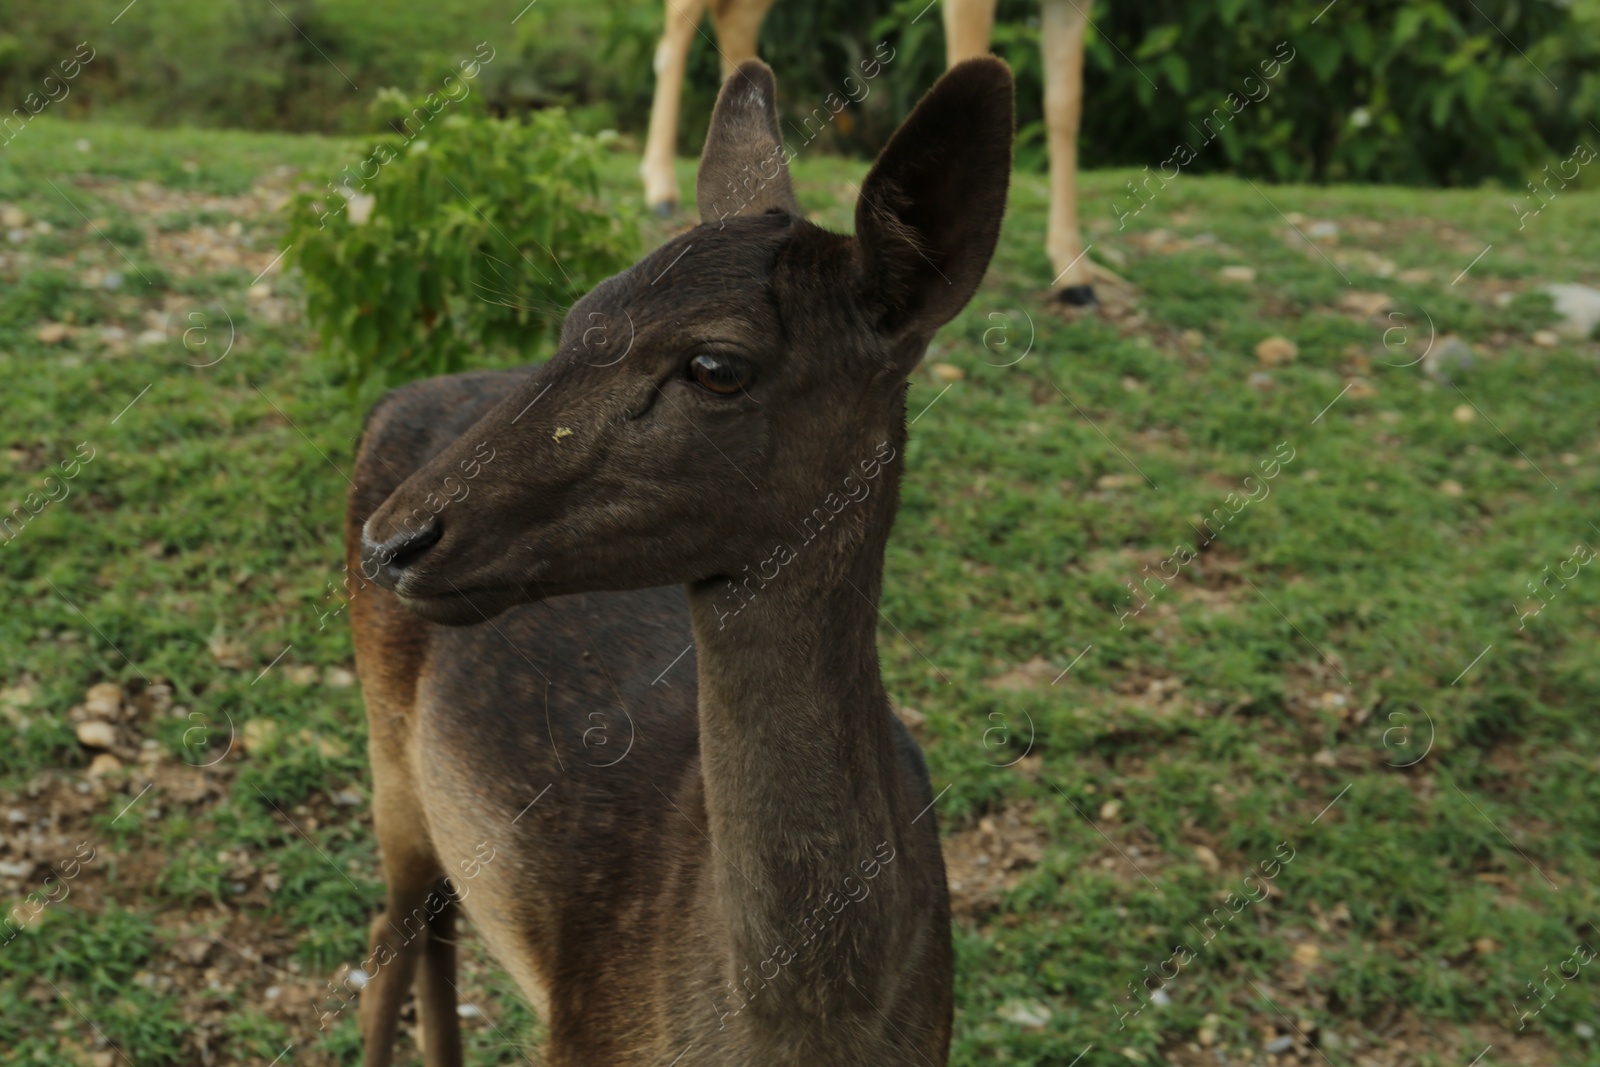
(758,880)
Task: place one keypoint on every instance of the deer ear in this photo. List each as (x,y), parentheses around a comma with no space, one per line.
(930,209)
(744,168)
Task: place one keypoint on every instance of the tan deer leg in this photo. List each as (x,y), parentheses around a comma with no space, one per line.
(390,981)
(398,937)
(672,54)
(436,990)
(968,25)
(738,24)
(1061,29)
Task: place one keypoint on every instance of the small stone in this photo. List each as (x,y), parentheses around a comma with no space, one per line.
(301,674)
(151,338)
(358,978)
(16,868)
(96,734)
(1485,946)
(1448,359)
(948,372)
(1415,276)
(468,1011)
(259,291)
(1208,859)
(103,764)
(1160,997)
(1579,308)
(1546,338)
(1323,231)
(1207,1034)
(1583,1030)
(53,333)
(112,280)
(1451,487)
(103,1058)
(1367,305)
(1243,275)
(1261,381)
(82,144)
(12,217)
(104,700)
(1276,351)
(193,951)
(913,719)
(338,678)
(1464,413)
(348,798)
(1110,809)
(1325,758)
(1279,1044)
(1029,1013)
(259,735)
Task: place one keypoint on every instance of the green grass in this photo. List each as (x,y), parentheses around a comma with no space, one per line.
(1324,638)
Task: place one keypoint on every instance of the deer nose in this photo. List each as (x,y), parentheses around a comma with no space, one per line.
(388,560)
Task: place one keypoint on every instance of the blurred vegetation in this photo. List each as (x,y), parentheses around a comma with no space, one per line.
(450,253)
(1446,92)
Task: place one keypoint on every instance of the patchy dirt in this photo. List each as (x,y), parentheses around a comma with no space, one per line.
(982,862)
(1403,1039)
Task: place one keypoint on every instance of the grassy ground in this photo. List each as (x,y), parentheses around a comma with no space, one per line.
(1339,690)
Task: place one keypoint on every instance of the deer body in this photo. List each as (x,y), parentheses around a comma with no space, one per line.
(742,866)
(599,893)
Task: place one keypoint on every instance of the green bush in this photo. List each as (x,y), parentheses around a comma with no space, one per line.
(471,232)
(1439,92)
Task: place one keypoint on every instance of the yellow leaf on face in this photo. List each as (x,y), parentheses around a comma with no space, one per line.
(561,432)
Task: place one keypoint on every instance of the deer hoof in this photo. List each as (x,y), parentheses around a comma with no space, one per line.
(664,209)
(1077,296)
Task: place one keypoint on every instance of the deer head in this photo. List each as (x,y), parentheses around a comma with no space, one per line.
(701,403)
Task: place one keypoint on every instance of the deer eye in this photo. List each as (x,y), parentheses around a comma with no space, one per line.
(723,375)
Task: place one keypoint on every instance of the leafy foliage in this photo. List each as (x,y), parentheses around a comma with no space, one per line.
(1446,92)
(472,231)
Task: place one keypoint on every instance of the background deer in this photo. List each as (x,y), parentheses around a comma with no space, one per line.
(968,25)
(759,880)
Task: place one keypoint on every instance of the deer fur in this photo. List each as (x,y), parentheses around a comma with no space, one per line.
(724,857)
(968,26)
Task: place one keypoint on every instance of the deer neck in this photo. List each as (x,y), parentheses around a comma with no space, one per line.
(809,808)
